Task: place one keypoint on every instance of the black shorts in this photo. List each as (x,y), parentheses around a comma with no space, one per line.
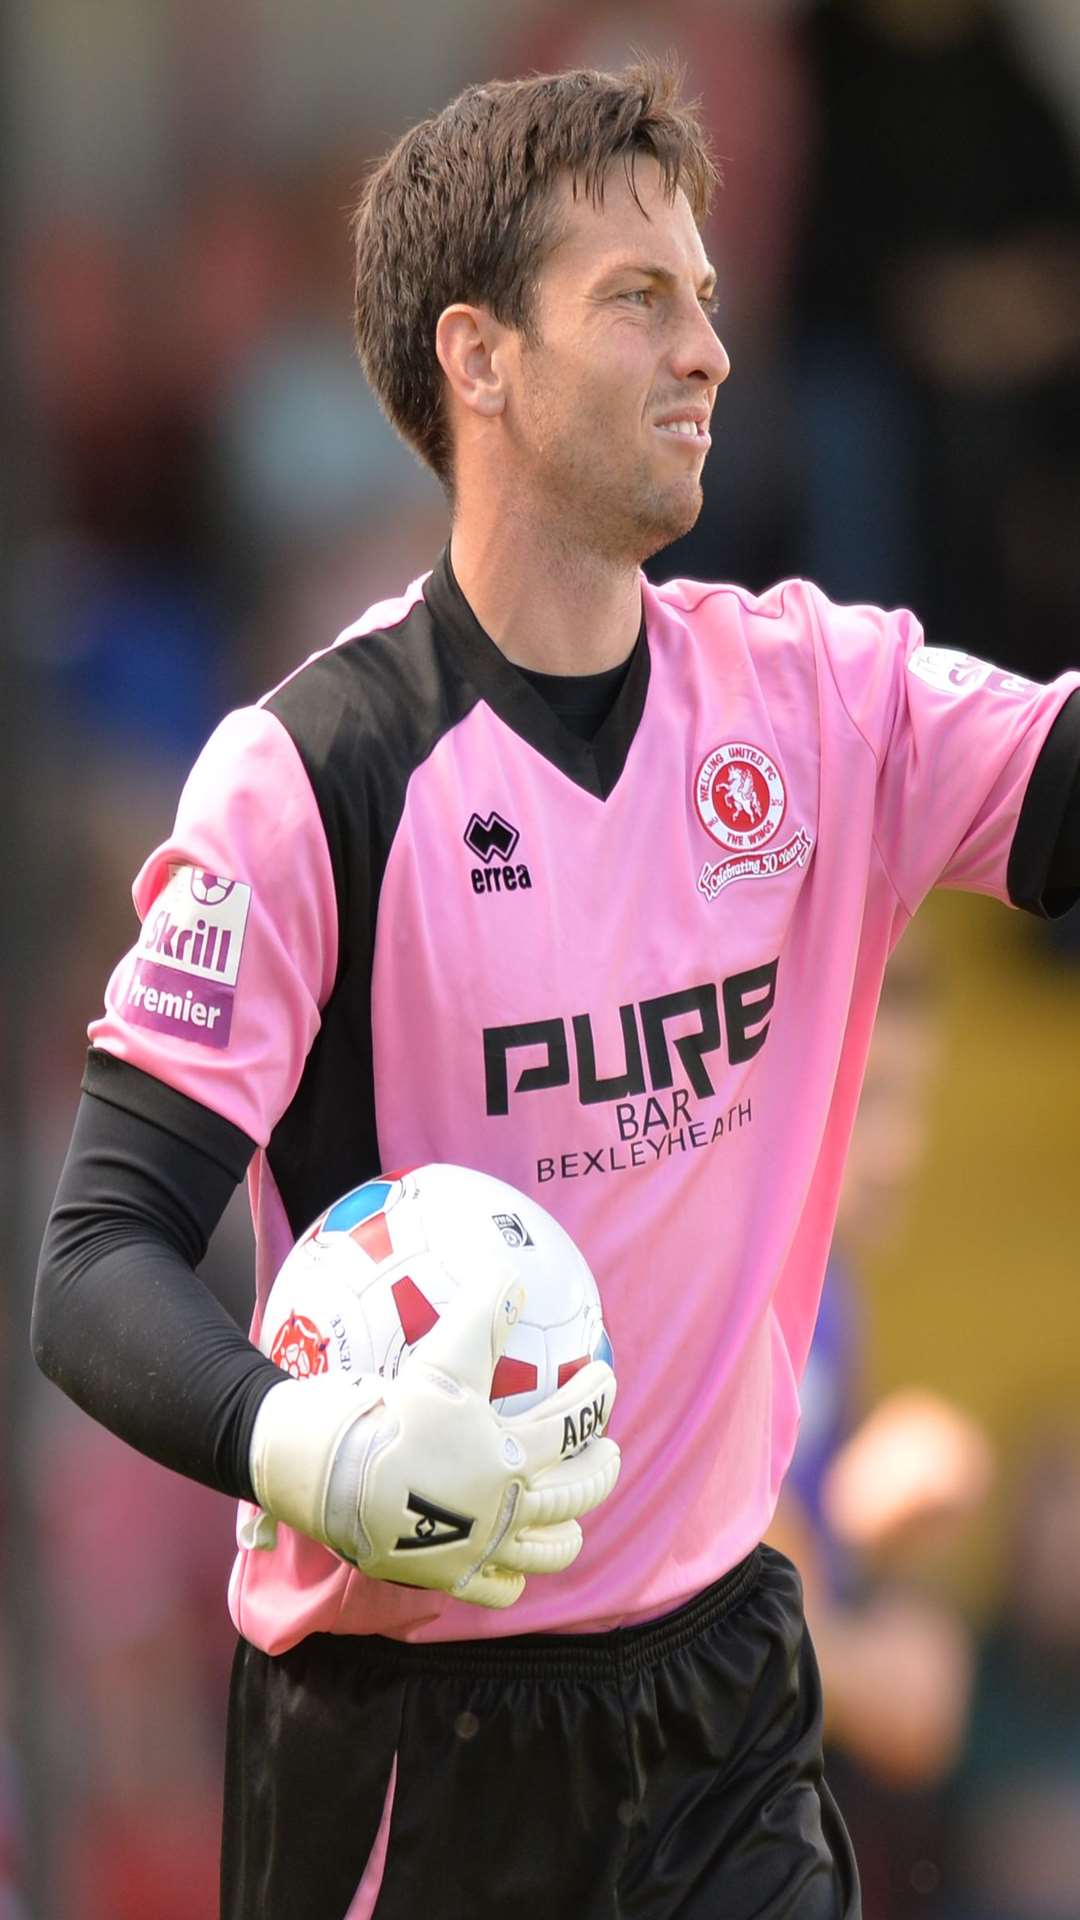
(664,1772)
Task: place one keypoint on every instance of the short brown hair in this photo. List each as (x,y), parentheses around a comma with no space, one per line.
(460,209)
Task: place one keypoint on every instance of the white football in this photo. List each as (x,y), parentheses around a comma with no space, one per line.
(374,1272)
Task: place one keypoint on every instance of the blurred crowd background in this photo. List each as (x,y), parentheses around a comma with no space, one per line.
(199,491)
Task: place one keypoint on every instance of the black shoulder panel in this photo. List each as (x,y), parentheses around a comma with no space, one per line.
(1044,863)
(363,717)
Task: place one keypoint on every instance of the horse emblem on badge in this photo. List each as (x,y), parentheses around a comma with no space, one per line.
(741,802)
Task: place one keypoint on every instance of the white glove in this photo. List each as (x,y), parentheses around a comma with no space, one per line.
(419,1480)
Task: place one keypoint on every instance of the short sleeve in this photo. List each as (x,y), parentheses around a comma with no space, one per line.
(955,740)
(220,996)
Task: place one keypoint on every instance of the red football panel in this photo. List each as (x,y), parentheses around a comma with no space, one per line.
(512,1376)
(373,1237)
(569,1368)
(415,1311)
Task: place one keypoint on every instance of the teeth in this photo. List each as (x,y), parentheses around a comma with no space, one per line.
(681,426)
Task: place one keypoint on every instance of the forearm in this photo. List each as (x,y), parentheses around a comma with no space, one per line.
(122,1322)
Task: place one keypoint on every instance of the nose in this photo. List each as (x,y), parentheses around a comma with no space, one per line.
(700,353)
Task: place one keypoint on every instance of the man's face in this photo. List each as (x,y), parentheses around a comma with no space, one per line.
(626,352)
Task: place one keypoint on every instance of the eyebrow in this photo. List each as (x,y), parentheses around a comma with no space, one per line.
(662,274)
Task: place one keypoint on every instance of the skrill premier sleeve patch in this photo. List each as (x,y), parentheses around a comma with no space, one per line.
(183,980)
(220,995)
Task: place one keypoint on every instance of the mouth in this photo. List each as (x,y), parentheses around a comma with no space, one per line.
(690,432)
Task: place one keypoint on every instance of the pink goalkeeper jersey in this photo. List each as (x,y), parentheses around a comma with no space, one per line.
(405,916)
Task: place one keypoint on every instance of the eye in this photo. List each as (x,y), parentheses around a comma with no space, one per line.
(643,294)
(710,304)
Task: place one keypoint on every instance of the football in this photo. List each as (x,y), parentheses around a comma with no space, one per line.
(373,1273)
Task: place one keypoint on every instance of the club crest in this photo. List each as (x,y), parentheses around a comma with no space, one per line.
(741,801)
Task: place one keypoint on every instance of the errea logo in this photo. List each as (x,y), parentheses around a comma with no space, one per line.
(494,840)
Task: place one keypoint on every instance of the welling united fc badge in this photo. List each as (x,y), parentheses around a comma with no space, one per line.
(741,803)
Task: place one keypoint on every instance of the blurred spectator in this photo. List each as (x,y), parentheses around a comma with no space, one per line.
(305,455)
(133,1561)
(322,509)
(940,327)
(137,1562)
(865,1495)
(1050,29)
(118,589)
(1015,1793)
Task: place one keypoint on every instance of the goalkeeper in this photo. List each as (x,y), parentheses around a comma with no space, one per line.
(592,885)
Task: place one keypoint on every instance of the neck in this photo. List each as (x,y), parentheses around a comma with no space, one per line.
(545,602)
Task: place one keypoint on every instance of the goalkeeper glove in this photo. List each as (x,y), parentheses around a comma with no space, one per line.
(418,1480)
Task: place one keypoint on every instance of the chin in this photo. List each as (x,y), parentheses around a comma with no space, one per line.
(627,528)
(669,524)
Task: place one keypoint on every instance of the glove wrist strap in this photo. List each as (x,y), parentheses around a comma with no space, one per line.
(299,1428)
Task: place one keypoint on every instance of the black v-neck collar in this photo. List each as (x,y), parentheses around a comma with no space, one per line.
(595,764)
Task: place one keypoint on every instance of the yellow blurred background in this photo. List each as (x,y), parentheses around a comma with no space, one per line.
(977,1292)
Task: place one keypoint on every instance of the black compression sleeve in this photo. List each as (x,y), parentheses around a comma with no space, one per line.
(1044,864)
(121,1320)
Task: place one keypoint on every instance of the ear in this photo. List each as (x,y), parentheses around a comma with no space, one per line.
(468,342)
